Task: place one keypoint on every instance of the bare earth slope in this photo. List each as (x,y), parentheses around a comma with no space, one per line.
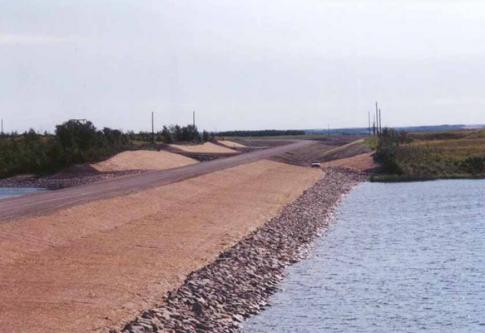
(50,201)
(143,160)
(98,264)
(207,147)
(231,144)
(362,163)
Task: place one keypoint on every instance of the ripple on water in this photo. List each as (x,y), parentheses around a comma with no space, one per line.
(406,257)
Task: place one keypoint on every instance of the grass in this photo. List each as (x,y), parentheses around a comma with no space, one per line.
(447,155)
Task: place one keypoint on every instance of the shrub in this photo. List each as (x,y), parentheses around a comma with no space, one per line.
(474,165)
(387,146)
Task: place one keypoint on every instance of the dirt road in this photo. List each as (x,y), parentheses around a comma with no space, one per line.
(43,203)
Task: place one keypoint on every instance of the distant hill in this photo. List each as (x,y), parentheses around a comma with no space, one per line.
(364,131)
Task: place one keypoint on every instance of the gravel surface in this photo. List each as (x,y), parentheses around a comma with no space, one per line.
(106,261)
(207,147)
(238,284)
(57,182)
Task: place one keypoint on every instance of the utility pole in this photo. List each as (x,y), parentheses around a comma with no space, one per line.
(2,126)
(377,118)
(368,120)
(374,126)
(153,128)
(193,119)
(380,120)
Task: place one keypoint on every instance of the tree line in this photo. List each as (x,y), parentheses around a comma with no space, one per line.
(77,142)
(172,134)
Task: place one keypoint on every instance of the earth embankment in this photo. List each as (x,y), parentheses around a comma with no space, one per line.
(239,283)
(95,265)
(207,147)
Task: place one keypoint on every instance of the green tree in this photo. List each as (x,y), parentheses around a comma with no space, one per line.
(166,135)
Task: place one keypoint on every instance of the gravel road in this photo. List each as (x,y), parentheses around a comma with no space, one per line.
(42,203)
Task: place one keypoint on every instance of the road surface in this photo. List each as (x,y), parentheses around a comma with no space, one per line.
(42,203)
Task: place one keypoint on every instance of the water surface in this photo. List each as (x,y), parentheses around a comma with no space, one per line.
(405,257)
(7,192)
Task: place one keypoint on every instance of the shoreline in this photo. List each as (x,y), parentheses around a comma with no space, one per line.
(409,179)
(239,283)
(60,181)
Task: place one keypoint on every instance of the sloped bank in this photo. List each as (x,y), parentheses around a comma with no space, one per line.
(239,283)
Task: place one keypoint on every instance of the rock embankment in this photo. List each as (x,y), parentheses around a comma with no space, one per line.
(238,284)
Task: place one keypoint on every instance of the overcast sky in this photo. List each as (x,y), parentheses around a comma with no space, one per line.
(245,64)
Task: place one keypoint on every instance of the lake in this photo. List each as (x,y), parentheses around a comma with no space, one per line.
(403,257)
(7,192)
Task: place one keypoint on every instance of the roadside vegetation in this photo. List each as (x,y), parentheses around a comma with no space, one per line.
(173,134)
(78,142)
(421,156)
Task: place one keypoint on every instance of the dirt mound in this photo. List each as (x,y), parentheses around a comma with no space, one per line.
(143,160)
(231,144)
(207,147)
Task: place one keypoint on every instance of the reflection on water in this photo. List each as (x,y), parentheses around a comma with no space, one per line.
(406,257)
(6,192)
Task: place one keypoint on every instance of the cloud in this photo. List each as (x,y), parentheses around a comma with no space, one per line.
(24,39)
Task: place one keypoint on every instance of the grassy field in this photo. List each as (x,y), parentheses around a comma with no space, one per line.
(457,154)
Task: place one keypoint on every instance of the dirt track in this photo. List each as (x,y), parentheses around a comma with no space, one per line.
(46,202)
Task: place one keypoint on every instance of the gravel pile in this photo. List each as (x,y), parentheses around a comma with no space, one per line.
(219,297)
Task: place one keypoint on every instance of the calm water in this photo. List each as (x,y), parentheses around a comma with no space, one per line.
(398,258)
(6,192)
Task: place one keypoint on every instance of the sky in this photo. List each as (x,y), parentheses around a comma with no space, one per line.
(248,64)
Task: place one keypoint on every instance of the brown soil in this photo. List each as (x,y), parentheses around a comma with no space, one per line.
(218,297)
(362,163)
(143,160)
(96,265)
(321,151)
(348,150)
(207,147)
(263,143)
(304,156)
(231,144)
(337,140)
(43,203)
